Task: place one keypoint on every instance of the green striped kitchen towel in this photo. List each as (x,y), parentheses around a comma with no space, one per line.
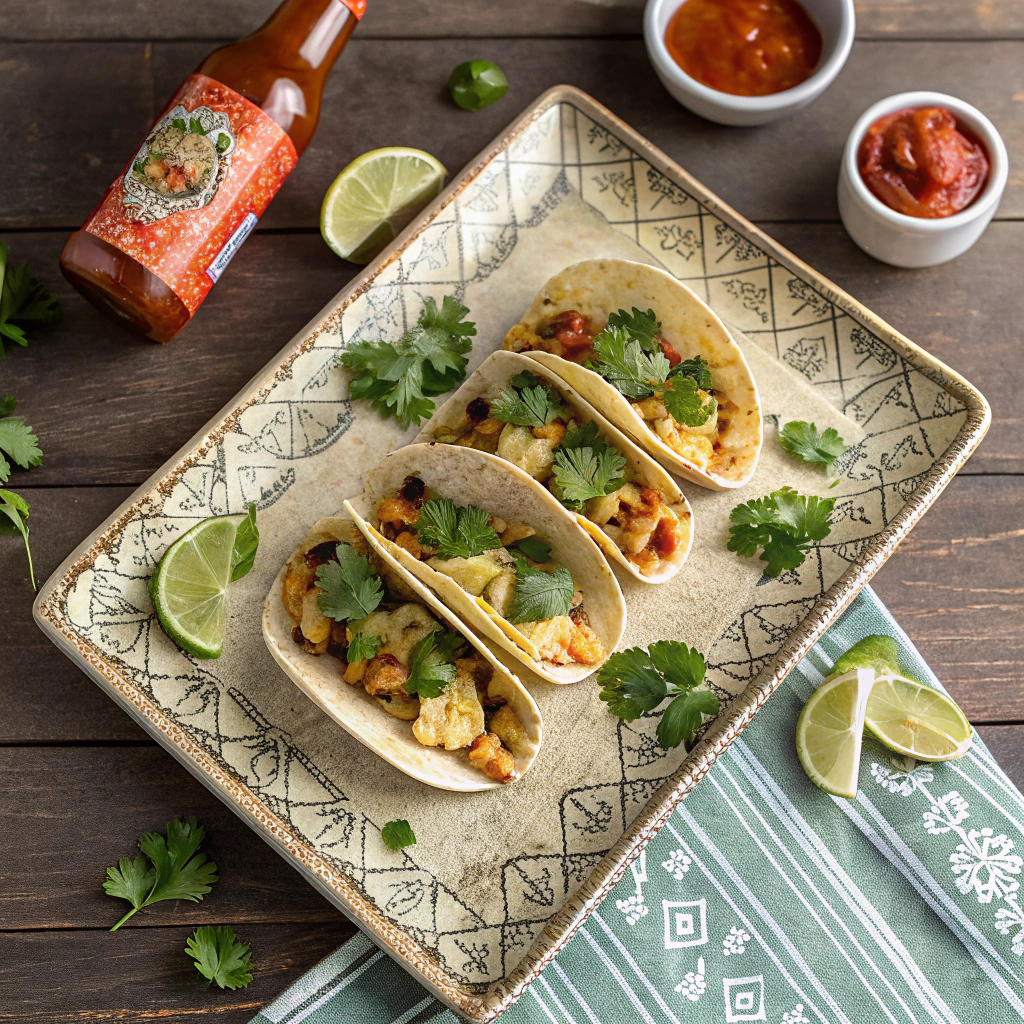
(764,899)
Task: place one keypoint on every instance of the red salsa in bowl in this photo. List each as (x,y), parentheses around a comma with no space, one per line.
(923,162)
(744,47)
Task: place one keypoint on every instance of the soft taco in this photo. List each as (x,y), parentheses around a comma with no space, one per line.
(521,411)
(500,551)
(651,356)
(376,650)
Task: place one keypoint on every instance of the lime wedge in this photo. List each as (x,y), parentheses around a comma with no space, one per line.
(830,729)
(916,720)
(375,197)
(190,583)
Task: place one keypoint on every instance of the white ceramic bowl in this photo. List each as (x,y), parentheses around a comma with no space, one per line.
(836,22)
(918,241)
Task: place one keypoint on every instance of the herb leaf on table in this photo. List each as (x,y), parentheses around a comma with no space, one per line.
(398,834)
(24,302)
(400,379)
(168,868)
(219,956)
(805,442)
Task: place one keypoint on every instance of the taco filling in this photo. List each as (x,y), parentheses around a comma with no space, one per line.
(504,564)
(348,605)
(530,426)
(675,397)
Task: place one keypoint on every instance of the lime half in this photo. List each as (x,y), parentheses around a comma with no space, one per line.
(916,720)
(830,729)
(190,583)
(375,197)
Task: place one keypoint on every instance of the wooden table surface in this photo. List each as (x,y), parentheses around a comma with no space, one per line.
(79,85)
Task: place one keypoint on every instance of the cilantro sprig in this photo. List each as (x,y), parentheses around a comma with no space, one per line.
(168,868)
(783,524)
(540,595)
(805,442)
(685,403)
(13,513)
(455,532)
(396,835)
(351,589)
(697,368)
(19,445)
(431,663)
(635,682)
(362,647)
(24,303)
(624,362)
(219,956)
(526,402)
(586,466)
(641,327)
(400,379)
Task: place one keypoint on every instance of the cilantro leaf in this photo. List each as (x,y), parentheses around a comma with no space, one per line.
(362,647)
(583,473)
(630,684)
(784,524)
(22,299)
(635,682)
(685,403)
(431,666)
(587,436)
(223,142)
(17,441)
(179,123)
(247,540)
(351,589)
(642,327)
(13,513)
(8,405)
(196,126)
(540,595)
(219,956)
(534,548)
(698,368)
(528,405)
(805,442)
(455,532)
(684,716)
(428,360)
(626,366)
(169,868)
(397,834)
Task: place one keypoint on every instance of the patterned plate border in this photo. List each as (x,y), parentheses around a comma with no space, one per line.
(50,609)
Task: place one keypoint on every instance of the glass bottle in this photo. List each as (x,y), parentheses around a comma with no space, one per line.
(166,228)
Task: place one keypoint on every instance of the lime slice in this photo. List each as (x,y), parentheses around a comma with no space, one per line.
(375,197)
(190,583)
(830,729)
(916,720)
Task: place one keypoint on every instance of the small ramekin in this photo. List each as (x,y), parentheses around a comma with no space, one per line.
(836,22)
(918,241)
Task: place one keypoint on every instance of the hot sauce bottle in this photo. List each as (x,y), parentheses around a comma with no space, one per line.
(168,226)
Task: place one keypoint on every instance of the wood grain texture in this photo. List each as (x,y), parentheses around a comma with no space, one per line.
(229,19)
(143,975)
(954,585)
(133,404)
(106,797)
(783,171)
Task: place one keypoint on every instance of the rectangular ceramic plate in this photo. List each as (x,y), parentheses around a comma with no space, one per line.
(242,728)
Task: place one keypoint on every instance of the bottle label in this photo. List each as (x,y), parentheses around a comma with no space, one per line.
(196,187)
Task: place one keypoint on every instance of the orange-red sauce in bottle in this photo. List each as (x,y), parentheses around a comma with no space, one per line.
(168,226)
(744,47)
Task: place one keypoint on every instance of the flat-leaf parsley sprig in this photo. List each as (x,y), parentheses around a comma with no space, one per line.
(635,682)
(168,868)
(400,379)
(24,303)
(783,524)
(219,956)
(805,442)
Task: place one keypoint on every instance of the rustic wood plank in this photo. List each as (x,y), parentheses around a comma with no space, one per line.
(106,797)
(1006,742)
(954,585)
(91,976)
(406,19)
(783,171)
